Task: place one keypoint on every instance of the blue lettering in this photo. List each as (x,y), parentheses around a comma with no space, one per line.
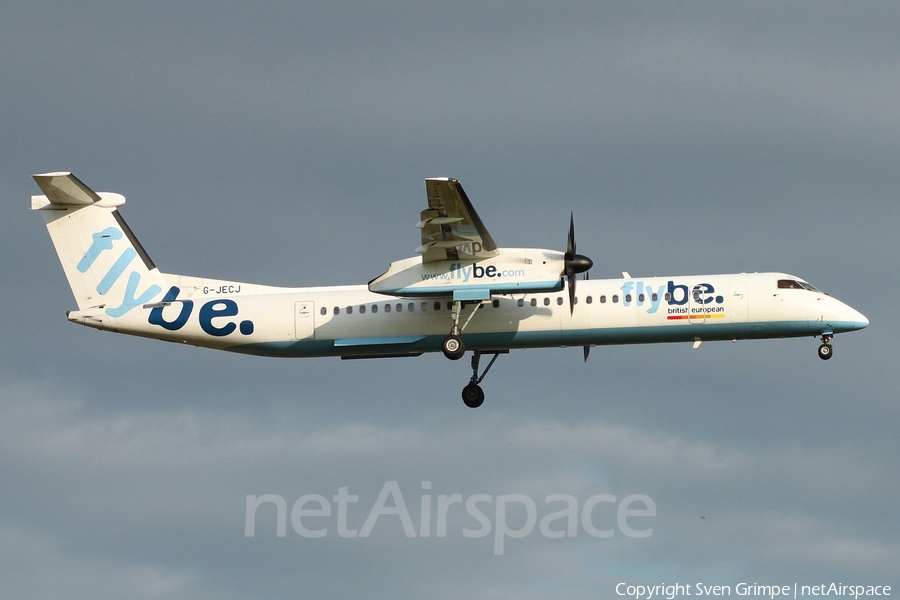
(700,292)
(116,270)
(102,241)
(455,271)
(626,290)
(129,301)
(677,288)
(209,311)
(655,298)
(156,315)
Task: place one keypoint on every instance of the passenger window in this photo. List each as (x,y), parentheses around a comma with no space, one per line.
(534,301)
(374,309)
(362,309)
(641,297)
(615,299)
(324,311)
(349,310)
(655,297)
(589,300)
(437,306)
(602,299)
(495,303)
(399,307)
(387,308)
(627,297)
(337,310)
(520,302)
(424,306)
(559,300)
(546,301)
(411,307)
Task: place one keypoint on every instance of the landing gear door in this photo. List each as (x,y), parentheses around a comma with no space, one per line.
(305,320)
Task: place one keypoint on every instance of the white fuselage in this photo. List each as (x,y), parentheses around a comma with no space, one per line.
(351,321)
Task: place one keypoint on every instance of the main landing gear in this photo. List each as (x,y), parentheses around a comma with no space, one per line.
(472,394)
(452,346)
(825,350)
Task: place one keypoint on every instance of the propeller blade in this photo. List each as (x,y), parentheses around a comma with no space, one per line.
(571,279)
(587,352)
(574,263)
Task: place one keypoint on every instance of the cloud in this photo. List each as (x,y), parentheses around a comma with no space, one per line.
(170,485)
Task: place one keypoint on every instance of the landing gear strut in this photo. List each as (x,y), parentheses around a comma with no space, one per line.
(472,394)
(825,350)
(452,346)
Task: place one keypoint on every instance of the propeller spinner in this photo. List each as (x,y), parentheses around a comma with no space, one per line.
(574,263)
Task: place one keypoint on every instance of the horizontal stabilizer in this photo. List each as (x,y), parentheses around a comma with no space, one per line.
(65,189)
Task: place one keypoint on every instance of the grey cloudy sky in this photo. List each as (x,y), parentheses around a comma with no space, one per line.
(286,143)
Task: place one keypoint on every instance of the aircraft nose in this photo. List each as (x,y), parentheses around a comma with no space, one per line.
(859,320)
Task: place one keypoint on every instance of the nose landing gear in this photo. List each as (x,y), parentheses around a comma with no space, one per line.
(825,350)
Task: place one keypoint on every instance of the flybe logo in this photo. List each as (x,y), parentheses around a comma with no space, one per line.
(214,309)
(458,272)
(101,242)
(219,309)
(698,299)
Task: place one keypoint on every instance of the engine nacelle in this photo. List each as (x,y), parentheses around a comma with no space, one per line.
(513,270)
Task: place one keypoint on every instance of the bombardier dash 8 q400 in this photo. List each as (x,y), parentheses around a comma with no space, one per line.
(460,292)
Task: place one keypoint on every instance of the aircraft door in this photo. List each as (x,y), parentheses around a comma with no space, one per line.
(696,314)
(305,320)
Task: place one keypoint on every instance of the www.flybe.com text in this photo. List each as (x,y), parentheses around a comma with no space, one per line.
(464,274)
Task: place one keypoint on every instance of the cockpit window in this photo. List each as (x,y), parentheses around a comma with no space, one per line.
(789,284)
(793,284)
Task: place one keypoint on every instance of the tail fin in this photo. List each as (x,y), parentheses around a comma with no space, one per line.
(106,266)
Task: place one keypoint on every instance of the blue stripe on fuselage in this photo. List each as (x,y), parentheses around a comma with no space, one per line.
(549,339)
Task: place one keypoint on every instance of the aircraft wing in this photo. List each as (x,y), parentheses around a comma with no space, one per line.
(451,229)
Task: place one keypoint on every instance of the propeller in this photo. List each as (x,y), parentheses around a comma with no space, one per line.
(574,263)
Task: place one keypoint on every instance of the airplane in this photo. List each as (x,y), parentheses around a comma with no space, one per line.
(460,292)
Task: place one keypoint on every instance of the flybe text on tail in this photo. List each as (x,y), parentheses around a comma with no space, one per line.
(104,241)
